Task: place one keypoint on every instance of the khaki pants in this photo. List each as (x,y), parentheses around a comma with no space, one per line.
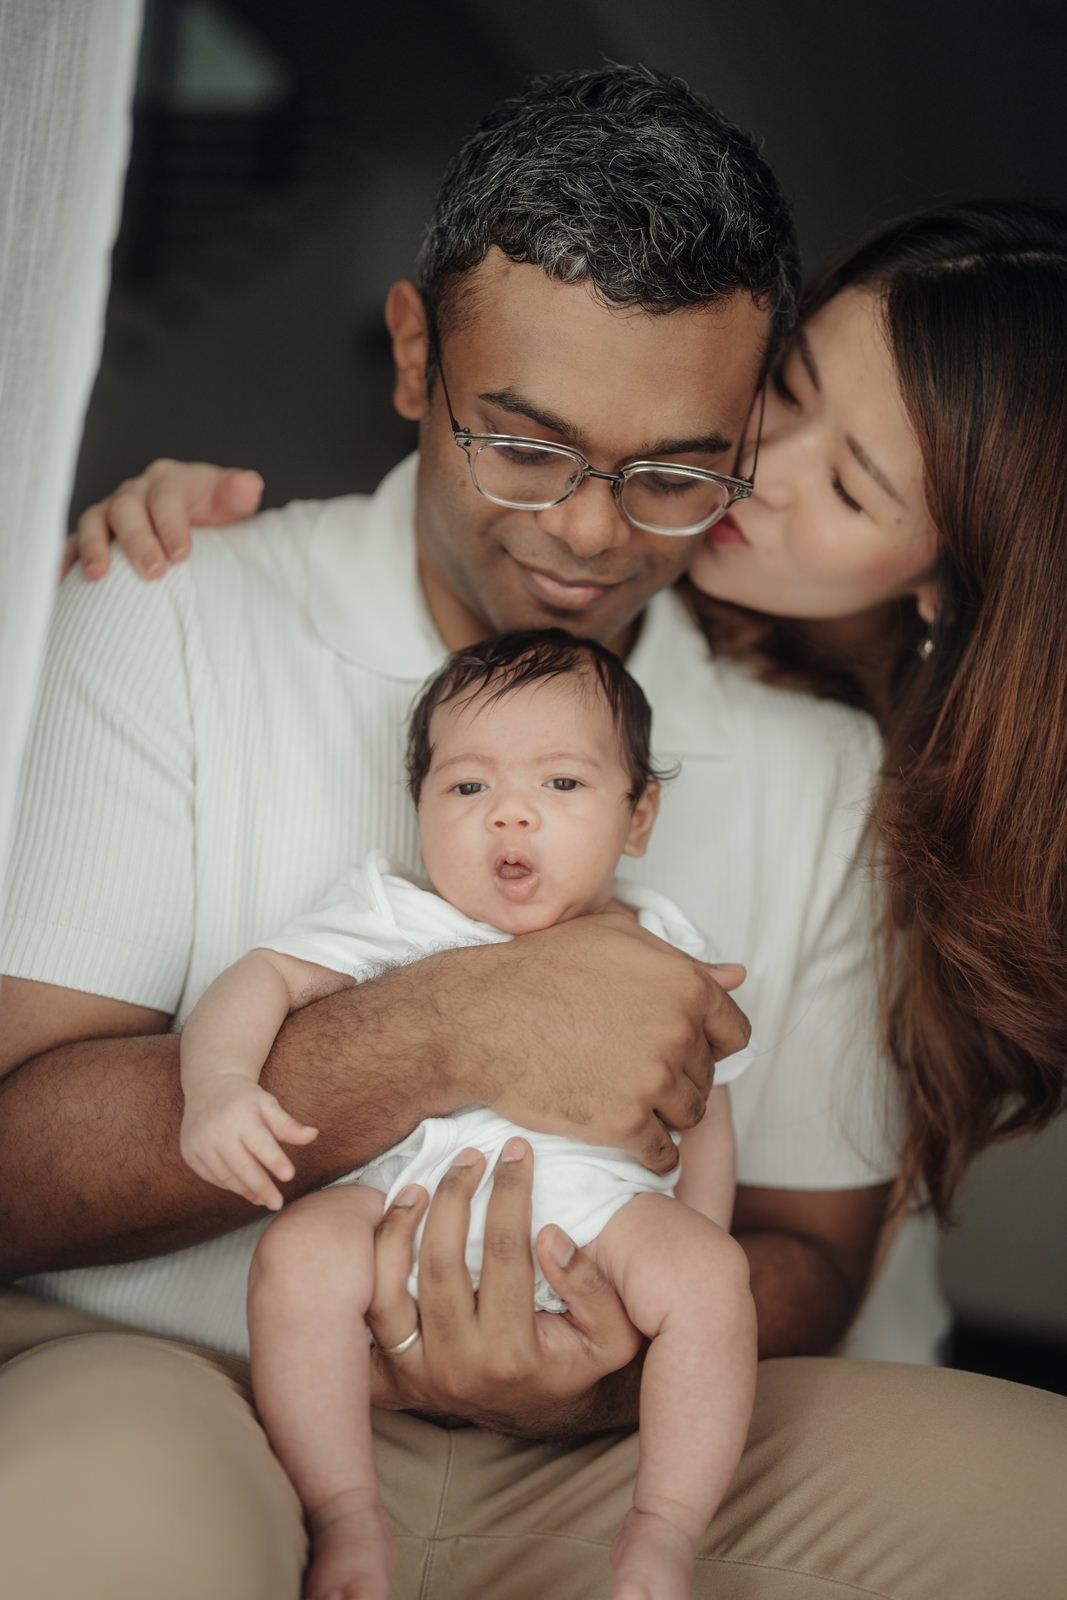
(133,1469)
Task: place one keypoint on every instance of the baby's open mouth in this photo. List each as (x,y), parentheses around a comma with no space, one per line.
(512,867)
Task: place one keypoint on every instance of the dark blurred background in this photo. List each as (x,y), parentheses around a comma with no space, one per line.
(284,162)
(286,156)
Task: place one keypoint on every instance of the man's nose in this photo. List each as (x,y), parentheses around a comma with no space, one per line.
(589,523)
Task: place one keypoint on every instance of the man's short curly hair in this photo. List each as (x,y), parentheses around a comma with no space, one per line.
(622,178)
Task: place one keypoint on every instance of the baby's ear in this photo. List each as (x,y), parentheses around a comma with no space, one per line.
(642,819)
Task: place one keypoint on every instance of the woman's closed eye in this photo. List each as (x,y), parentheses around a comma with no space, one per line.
(781,388)
(843,494)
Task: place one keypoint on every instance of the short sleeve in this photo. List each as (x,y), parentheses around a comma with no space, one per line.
(101,881)
(828,1113)
(375,917)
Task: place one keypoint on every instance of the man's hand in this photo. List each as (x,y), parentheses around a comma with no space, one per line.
(488,1357)
(595,1029)
(150,516)
(230,1137)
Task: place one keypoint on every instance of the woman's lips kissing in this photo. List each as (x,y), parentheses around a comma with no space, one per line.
(725,531)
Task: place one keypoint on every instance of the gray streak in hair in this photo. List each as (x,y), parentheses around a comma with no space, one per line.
(621,177)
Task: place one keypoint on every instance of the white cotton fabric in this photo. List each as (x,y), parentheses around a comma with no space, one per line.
(230,736)
(377,916)
(66,74)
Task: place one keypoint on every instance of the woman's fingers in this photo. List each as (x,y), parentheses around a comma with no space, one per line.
(236,496)
(169,516)
(89,542)
(128,520)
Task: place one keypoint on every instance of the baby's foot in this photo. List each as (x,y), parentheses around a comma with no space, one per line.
(653,1560)
(353,1550)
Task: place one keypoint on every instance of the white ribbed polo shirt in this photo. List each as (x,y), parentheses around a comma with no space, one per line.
(214,748)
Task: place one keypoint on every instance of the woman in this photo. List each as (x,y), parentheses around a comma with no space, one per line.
(909,531)
(905,549)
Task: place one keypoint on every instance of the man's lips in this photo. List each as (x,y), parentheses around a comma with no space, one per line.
(725,531)
(565,594)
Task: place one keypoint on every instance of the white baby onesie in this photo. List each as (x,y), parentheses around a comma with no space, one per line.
(378,916)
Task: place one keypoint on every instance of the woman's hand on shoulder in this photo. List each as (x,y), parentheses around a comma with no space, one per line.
(150,516)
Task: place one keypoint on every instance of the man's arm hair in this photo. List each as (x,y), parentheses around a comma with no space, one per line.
(89,1153)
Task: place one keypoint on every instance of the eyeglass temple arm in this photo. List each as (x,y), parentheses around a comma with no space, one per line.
(759,426)
(433,339)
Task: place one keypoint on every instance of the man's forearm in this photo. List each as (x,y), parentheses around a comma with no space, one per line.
(90,1169)
(804,1302)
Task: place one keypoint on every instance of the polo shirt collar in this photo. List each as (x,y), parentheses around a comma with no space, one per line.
(366,600)
(367,605)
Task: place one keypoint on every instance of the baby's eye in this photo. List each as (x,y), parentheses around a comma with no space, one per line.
(563,785)
(468,788)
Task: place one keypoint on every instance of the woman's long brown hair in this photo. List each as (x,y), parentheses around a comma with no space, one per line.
(971,812)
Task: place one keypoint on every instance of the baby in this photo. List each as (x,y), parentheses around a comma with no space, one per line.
(529,764)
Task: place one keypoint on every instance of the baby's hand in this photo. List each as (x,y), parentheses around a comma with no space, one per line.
(230,1134)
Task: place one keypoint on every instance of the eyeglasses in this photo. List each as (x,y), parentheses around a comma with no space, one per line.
(656,496)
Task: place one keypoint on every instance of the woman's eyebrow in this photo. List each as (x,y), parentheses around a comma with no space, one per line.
(872,469)
(869,466)
(804,351)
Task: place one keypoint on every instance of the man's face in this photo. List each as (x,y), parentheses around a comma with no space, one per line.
(545,360)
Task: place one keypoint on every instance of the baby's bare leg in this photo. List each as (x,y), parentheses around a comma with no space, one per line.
(684,1283)
(308,1295)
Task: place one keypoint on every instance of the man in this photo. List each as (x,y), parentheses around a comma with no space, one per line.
(608,270)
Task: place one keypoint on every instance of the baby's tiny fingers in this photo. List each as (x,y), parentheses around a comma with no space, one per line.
(267,1152)
(285,1126)
(248,1178)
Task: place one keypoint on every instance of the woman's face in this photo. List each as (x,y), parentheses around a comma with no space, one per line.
(837,524)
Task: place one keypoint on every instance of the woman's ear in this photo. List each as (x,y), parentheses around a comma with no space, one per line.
(928,601)
(642,818)
(405,317)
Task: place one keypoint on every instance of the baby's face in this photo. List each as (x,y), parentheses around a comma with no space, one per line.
(525,810)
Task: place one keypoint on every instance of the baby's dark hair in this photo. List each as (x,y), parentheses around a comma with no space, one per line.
(509,661)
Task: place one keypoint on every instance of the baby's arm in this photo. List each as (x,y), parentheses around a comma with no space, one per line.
(231,1127)
(709,1162)
(684,1283)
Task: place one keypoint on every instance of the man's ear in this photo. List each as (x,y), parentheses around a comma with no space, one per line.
(642,819)
(405,317)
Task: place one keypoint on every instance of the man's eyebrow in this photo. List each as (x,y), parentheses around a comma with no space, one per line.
(872,469)
(512,400)
(804,351)
(708,444)
(705,444)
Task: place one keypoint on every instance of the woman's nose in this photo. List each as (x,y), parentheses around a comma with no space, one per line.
(782,457)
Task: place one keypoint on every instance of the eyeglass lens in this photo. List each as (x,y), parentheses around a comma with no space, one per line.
(655,497)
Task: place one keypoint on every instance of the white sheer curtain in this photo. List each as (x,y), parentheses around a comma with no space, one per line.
(66,81)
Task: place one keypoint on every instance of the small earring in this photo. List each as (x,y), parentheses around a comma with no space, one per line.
(926,645)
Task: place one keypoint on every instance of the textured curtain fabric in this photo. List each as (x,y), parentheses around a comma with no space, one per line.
(66,81)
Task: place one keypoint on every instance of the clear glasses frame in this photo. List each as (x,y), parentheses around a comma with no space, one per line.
(472,444)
